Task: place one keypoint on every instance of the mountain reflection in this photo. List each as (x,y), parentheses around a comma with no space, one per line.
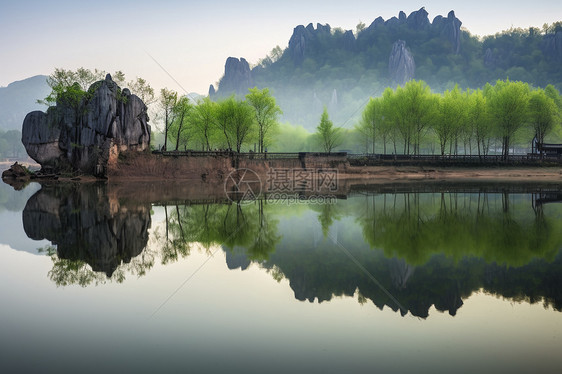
(404,250)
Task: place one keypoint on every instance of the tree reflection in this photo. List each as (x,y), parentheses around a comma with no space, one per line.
(458,225)
(407,251)
(249,226)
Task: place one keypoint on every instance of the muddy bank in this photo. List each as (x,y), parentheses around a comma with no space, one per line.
(216,168)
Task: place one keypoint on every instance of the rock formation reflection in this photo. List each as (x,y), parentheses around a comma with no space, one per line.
(86,227)
(407,251)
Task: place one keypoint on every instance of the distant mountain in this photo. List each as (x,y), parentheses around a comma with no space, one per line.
(340,69)
(20,98)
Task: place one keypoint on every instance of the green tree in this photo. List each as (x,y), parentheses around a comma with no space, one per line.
(143,90)
(542,114)
(203,122)
(451,107)
(179,130)
(478,117)
(371,121)
(508,106)
(168,101)
(266,112)
(235,119)
(328,135)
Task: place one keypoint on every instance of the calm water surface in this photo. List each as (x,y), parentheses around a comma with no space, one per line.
(383,279)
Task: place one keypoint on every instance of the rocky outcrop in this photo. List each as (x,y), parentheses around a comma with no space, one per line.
(303,37)
(237,77)
(488,58)
(401,64)
(552,45)
(85,225)
(86,135)
(418,20)
(450,27)
(16,176)
(348,41)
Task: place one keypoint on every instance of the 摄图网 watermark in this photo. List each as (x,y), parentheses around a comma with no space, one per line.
(284,185)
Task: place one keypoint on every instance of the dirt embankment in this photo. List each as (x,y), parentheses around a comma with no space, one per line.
(146,166)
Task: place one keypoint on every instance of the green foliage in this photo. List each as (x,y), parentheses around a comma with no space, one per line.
(73,86)
(505,112)
(266,112)
(508,106)
(203,122)
(328,136)
(235,120)
(542,113)
(180,129)
(167,103)
(359,71)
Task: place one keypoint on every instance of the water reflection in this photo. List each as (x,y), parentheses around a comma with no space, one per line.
(86,226)
(404,250)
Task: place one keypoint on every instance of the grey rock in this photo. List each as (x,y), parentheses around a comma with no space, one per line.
(82,137)
(392,22)
(450,27)
(237,77)
(348,41)
(418,20)
(298,43)
(334,99)
(488,58)
(40,136)
(378,22)
(552,45)
(401,64)
(211,90)
(302,37)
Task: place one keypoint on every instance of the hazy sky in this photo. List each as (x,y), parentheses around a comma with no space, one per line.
(192,40)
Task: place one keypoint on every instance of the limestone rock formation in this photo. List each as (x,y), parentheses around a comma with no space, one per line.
(237,77)
(86,225)
(488,58)
(302,37)
(418,20)
(401,64)
(552,45)
(348,41)
(85,136)
(451,28)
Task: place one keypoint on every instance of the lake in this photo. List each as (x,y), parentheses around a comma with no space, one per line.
(425,277)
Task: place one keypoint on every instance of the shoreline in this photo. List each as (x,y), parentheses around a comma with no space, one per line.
(147,168)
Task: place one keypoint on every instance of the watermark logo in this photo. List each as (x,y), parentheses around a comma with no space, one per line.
(302,180)
(242,186)
(314,186)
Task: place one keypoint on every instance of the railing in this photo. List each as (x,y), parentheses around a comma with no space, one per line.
(468,159)
(362,159)
(249,155)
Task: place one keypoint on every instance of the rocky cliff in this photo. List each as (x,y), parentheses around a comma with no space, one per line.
(552,45)
(86,135)
(237,78)
(401,64)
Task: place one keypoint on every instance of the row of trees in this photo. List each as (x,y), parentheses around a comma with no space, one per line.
(459,120)
(227,124)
